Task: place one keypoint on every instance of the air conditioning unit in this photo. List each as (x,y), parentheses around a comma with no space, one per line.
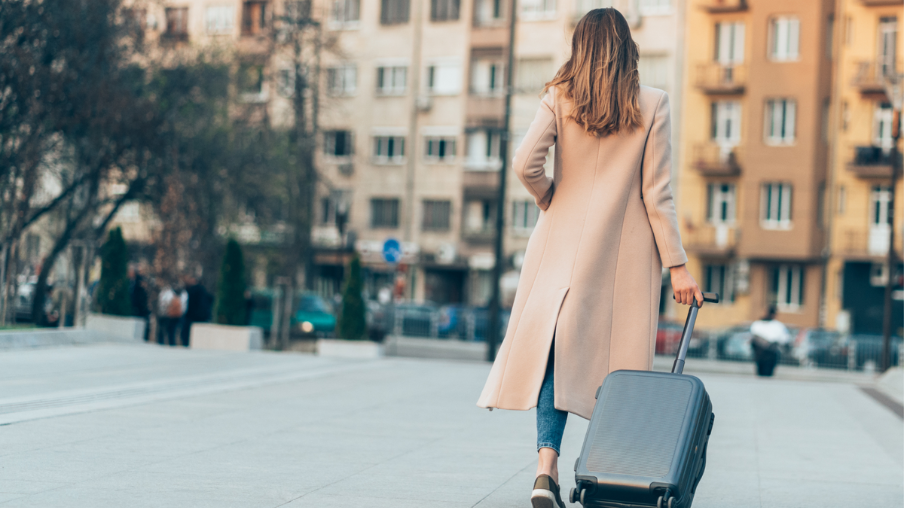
(424,103)
(347,168)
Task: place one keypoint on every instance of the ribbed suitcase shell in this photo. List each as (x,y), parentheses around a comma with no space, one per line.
(648,434)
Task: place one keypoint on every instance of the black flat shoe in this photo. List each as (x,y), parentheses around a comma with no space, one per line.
(546,493)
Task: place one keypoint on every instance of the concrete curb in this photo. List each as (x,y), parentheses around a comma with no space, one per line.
(38,338)
(437,349)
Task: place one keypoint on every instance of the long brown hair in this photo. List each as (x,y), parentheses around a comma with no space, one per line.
(601,76)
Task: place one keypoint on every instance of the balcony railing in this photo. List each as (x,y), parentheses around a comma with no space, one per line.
(867,242)
(720,6)
(721,79)
(711,159)
(871,162)
(870,77)
(718,239)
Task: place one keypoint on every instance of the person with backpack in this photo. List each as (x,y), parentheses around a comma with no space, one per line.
(169,305)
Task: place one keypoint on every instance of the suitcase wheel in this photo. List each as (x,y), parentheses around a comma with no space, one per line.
(666,501)
(573,497)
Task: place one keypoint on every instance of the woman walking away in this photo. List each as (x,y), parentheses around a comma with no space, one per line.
(588,299)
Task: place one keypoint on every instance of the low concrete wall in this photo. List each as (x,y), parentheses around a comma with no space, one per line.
(339,348)
(117,326)
(225,337)
(47,337)
(446,349)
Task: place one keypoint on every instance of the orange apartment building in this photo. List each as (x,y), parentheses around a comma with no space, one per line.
(754,161)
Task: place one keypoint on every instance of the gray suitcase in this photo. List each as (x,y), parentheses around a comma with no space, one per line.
(646,443)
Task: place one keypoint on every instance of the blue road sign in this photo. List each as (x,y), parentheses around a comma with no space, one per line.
(392,250)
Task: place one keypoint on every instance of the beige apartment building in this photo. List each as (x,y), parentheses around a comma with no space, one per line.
(412,131)
(869,48)
(754,160)
(411,117)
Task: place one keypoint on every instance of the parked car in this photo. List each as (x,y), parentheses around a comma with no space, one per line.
(868,350)
(734,344)
(311,309)
(668,335)
(818,347)
(416,319)
(313,316)
(379,320)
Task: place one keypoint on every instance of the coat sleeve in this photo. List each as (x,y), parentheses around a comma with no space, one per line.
(531,155)
(656,173)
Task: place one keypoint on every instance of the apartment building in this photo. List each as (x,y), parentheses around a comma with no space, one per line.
(411,117)
(754,162)
(413,125)
(869,48)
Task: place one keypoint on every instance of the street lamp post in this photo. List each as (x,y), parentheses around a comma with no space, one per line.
(894,92)
(495,301)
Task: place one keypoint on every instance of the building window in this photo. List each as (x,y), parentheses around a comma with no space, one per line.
(334,205)
(177,22)
(719,278)
(582,7)
(444,78)
(342,79)
(338,144)
(784,39)
(487,12)
(787,292)
(345,13)
(440,149)
(775,206)
(830,38)
(389,149)
(654,71)
(655,7)
(384,213)
(487,76)
(725,122)
(394,12)
(533,74)
(254,18)
(888,43)
(780,119)
(537,9)
(720,203)
(444,10)
(251,80)
(480,217)
(483,150)
(880,206)
(524,215)
(882,124)
(436,215)
(391,80)
(285,84)
(220,19)
(729,48)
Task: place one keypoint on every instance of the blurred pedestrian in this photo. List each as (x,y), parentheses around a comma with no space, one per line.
(138,294)
(769,335)
(198,308)
(588,297)
(169,314)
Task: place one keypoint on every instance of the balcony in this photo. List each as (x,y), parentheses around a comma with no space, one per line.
(866,243)
(722,6)
(714,78)
(870,162)
(870,76)
(881,3)
(712,240)
(713,160)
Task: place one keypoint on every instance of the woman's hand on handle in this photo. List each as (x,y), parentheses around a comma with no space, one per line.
(684,286)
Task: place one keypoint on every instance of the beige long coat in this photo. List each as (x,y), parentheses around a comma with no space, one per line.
(592,270)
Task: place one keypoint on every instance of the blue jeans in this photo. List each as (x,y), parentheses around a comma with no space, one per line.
(550,421)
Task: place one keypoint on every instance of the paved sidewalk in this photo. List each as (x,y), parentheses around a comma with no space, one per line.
(136,426)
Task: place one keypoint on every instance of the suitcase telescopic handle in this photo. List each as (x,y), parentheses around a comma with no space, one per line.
(678,366)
